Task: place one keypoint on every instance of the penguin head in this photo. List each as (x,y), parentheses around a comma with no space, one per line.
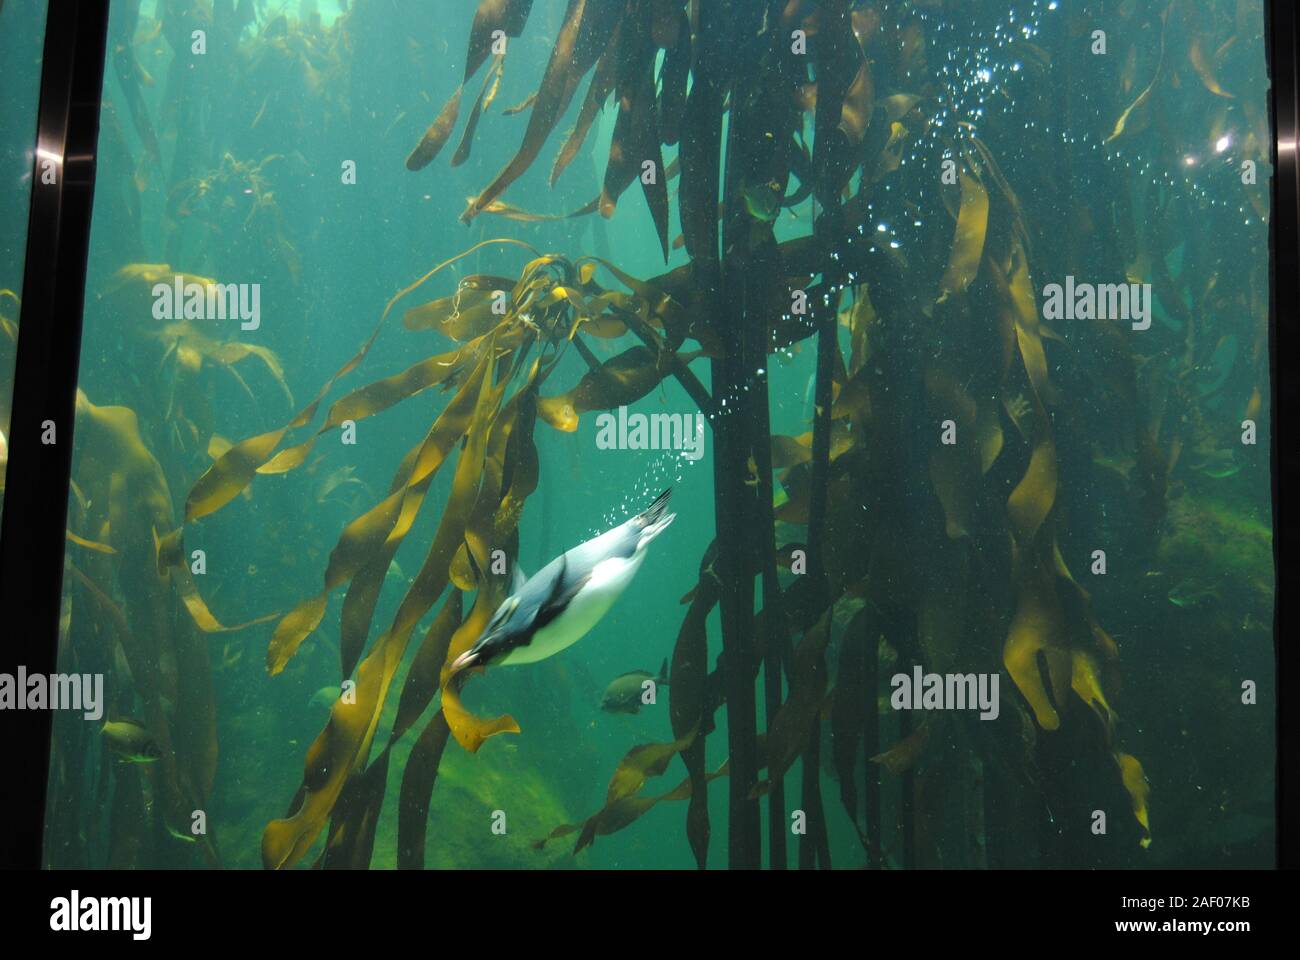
(503,633)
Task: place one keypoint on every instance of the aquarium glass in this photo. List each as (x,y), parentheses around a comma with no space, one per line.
(946,324)
(22,33)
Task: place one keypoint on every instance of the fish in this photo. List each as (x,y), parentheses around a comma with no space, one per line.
(131,741)
(624,693)
(1218,465)
(338,479)
(559,605)
(186,837)
(762,202)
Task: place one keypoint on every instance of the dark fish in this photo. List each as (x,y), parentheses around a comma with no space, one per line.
(131,741)
(623,695)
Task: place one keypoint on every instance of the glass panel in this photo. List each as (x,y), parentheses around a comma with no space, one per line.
(326,532)
(22,34)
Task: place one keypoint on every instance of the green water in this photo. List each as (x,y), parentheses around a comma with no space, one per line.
(277,157)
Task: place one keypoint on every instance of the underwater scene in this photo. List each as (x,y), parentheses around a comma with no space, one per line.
(667,434)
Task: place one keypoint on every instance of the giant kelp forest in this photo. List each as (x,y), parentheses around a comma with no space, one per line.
(886,185)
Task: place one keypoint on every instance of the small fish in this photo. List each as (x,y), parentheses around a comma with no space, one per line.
(324,697)
(1119,464)
(340,478)
(1192,593)
(130,741)
(186,837)
(763,202)
(1218,466)
(623,695)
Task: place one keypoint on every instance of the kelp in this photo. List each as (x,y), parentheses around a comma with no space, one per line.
(945,327)
(508,16)
(489,433)
(788,731)
(622,812)
(124,501)
(619,381)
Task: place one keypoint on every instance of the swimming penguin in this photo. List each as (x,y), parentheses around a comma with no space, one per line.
(561,602)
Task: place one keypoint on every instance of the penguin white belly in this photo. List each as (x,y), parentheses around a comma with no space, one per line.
(609,579)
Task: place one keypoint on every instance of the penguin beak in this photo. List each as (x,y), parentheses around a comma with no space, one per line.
(463,662)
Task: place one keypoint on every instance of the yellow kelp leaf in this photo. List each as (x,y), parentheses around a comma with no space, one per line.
(855,112)
(198,609)
(1135,782)
(298,624)
(379,396)
(620,381)
(1037,627)
(435,138)
(1088,687)
(217,445)
(89,544)
(342,747)
(1254,405)
(510,212)
(1137,107)
(508,16)
(235,469)
(623,813)
(369,542)
(788,451)
(791,451)
(463,315)
(487,93)
(376,397)
(598,91)
(989,437)
(640,763)
(672,314)
(130,291)
(968,240)
(471,731)
(578,44)
(1204,69)
(229,474)
(1033,497)
(231,353)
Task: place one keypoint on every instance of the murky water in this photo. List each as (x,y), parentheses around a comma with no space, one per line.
(366,348)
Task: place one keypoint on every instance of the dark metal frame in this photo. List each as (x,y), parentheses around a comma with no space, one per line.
(45,388)
(49,347)
(1280,34)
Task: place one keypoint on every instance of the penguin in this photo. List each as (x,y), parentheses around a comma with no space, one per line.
(559,604)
